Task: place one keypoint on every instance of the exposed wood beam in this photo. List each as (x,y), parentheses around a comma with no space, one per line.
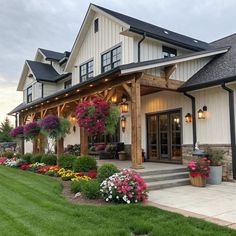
(127,89)
(160,82)
(110,94)
(169,70)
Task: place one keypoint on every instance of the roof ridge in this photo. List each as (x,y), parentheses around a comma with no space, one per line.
(50,50)
(225,37)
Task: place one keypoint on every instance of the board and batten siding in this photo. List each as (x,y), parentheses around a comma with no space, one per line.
(95,44)
(214,129)
(48,89)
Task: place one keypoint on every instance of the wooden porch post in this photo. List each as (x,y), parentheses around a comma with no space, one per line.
(41,143)
(136,149)
(83,142)
(22,141)
(35,146)
(60,142)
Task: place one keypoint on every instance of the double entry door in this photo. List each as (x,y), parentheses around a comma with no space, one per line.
(164,135)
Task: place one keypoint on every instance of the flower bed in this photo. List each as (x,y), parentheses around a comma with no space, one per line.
(124,187)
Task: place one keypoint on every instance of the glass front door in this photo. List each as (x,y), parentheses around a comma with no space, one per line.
(164,136)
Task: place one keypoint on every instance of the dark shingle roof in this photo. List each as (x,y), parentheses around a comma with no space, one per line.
(157,32)
(45,72)
(51,55)
(221,68)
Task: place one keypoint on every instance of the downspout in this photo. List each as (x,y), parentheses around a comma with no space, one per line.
(139,44)
(232,126)
(193,118)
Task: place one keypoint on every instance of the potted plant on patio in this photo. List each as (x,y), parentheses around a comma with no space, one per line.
(199,172)
(216,157)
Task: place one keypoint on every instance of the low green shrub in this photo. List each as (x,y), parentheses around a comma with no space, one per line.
(49,159)
(8,154)
(36,158)
(27,157)
(84,164)
(105,171)
(66,161)
(76,186)
(91,189)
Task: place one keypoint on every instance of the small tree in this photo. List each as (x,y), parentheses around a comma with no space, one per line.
(5,130)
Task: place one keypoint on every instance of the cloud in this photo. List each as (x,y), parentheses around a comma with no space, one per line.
(53,24)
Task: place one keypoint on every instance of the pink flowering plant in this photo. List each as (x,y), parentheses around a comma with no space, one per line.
(31,130)
(97,116)
(199,167)
(18,132)
(124,187)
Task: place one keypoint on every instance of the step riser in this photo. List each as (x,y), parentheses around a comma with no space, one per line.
(169,185)
(161,178)
(159,172)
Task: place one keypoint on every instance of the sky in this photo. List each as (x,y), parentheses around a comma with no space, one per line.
(26,25)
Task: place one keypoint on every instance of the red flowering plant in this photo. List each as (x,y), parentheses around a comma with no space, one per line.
(18,132)
(97,116)
(31,130)
(199,167)
(124,187)
(3,160)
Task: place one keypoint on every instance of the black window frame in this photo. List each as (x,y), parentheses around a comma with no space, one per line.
(96,25)
(110,59)
(170,52)
(67,84)
(29,96)
(88,72)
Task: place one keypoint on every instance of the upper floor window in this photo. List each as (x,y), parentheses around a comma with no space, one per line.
(29,94)
(96,25)
(67,84)
(111,59)
(86,71)
(168,52)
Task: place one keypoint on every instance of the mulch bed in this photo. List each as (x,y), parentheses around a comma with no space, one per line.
(80,199)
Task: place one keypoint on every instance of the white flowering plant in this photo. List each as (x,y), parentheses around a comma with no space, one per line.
(13,162)
(126,186)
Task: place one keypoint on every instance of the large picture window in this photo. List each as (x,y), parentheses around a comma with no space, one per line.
(29,94)
(86,71)
(111,59)
(168,52)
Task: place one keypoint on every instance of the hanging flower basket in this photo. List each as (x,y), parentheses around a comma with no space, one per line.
(97,116)
(18,132)
(55,127)
(31,130)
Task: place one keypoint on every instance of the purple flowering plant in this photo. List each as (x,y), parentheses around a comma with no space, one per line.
(31,130)
(18,132)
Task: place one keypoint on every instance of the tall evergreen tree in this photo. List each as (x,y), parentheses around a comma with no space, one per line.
(5,129)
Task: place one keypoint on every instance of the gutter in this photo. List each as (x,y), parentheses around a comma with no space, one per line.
(139,44)
(193,118)
(232,126)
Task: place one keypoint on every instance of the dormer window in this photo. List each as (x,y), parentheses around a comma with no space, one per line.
(67,84)
(29,94)
(168,52)
(96,25)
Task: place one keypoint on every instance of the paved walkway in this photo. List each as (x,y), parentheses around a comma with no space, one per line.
(215,203)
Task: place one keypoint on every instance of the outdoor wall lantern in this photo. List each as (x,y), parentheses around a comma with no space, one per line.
(114,98)
(123,123)
(124,106)
(73,122)
(202,113)
(188,118)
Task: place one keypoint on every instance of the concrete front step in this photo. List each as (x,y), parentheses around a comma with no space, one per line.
(161,177)
(168,184)
(163,171)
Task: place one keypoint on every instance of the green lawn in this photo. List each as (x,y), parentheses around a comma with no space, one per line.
(32,204)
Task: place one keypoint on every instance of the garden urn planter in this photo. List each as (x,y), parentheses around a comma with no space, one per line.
(122,156)
(215,175)
(198,181)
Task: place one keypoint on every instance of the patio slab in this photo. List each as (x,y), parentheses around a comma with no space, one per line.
(215,203)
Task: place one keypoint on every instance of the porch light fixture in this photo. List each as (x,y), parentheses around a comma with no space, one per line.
(188,118)
(202,113)
(114,99)
(123,123)
(73,122)
(124,106)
